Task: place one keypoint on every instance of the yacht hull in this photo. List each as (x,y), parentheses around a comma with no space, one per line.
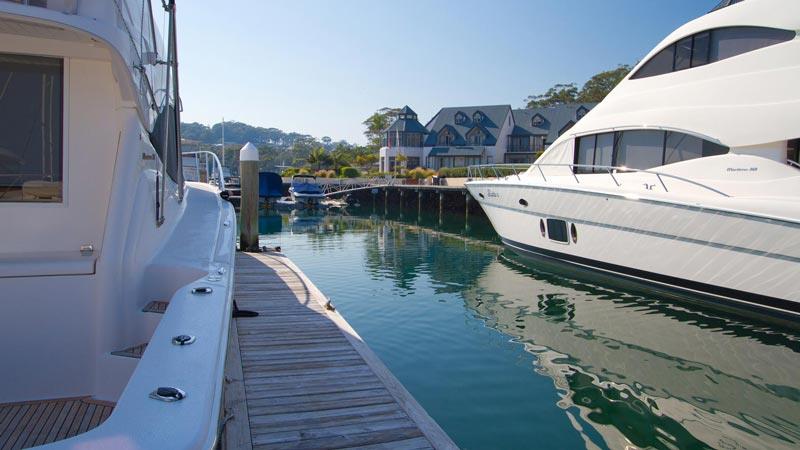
(728,255)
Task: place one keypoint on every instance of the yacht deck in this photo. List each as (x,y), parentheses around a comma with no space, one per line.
(28,424)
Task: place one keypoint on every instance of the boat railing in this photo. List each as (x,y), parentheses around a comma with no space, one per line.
(206,169)
(793,163)
(508,170)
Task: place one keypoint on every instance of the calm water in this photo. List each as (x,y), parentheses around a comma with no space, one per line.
(507,354)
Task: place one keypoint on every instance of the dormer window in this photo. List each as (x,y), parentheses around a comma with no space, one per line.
(537,120)
(477,117)
(581,112)
(475,136)
(446,137)
(461,118)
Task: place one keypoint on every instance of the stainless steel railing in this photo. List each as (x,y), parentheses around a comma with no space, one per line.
(212,168)
(507,170)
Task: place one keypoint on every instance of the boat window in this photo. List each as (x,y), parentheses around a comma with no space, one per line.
(604,152)
(31,151)
(711,46)
(733,41)
(585,155)
(557,230)
(641,149)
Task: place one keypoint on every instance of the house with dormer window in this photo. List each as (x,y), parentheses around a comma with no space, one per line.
(464,136)
(535,129)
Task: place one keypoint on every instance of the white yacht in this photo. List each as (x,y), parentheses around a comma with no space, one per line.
(686,175)
(115,274)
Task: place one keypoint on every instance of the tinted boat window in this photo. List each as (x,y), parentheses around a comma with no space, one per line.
(730,42)
(711,46)
(585,155)
(700,48)
(30,129)
(662,62)
(604,153)
(557,230)
(640,149)
(683,54)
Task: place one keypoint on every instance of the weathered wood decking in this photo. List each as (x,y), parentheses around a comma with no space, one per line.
(27,424)
(300,377)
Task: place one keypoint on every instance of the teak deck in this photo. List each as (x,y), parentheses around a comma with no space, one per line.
(27,424)
(298,376)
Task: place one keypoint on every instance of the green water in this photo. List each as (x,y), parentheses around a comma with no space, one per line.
(510,354)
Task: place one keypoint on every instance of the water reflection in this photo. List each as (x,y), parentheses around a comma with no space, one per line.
(630,369)
(644,370)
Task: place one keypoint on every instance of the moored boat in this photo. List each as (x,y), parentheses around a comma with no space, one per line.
(686,176)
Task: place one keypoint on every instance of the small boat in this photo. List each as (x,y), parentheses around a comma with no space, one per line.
(306,190)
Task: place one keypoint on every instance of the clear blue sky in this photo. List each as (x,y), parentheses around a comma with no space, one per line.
(322,67)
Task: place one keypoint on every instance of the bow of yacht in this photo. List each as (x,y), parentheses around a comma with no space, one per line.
(686,175)
(115,274)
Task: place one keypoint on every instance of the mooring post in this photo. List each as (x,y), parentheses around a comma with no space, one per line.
(466,205)
(248,170)
(419,204)
(386,201)
(441,206)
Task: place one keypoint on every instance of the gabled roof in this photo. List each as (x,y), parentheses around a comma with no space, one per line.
(406,125)
(555,119)
(494,115)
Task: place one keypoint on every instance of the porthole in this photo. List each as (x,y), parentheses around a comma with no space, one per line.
(573,232)
(542,227)
(523,202)
(480,195)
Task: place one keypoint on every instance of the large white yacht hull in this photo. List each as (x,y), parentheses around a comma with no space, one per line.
(724,254)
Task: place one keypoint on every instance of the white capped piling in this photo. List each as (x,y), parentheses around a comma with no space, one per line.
(248,171)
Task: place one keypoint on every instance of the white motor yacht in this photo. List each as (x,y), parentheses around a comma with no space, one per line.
(115,274)
(686,175)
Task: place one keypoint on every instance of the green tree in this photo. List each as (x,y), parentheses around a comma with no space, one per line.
(559,94)
(338,158)
(596,89)
(401,161)
(377,123)
(317,156)
(593,91)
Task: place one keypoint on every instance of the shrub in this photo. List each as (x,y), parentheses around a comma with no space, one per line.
(303,171)
(289,172)
(454,172)
(349,172)
(325,174)
(418,173)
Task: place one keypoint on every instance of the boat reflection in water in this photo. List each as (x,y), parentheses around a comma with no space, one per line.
(647,371)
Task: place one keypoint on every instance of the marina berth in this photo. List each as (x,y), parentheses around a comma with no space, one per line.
(685,176)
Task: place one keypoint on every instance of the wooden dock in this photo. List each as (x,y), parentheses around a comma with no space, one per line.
(299,377)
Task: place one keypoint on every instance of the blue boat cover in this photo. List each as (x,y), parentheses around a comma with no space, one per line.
(270,185)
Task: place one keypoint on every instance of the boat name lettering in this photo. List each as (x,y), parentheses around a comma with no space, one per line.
(742,169)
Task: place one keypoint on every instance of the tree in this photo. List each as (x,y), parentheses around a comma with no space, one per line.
(377,123)
(596,89)
(401,161)
(338,158)
(593,91)
(559,94)
(318,157)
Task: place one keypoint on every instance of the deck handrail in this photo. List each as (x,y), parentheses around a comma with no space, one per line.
(792,162)
(611,170)
(215,163)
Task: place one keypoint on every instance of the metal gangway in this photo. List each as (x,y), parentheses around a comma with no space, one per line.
(344,186)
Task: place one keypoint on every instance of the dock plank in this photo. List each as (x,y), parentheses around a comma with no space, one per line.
(305,378)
